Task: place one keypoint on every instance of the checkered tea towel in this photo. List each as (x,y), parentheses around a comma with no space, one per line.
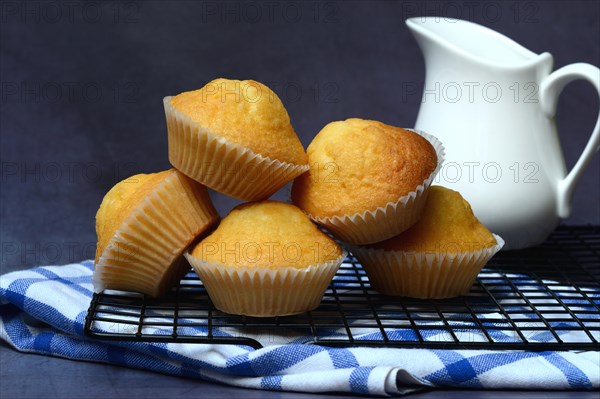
(43,311)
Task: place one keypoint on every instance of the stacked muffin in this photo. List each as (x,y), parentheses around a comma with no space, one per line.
(234,137)
(143,226)
(438,257)
(370,185)
(266,258)
(366,182)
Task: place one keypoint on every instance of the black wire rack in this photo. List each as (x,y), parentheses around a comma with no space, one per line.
(544,298)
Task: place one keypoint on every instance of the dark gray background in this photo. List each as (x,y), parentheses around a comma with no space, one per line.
(82,85)
(81,89)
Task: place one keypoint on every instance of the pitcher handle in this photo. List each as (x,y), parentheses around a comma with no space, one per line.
(550,89)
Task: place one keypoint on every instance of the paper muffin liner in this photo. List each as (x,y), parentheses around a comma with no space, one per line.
(145,253)
(388,221)
(424,274)
(261,292)
(226,167)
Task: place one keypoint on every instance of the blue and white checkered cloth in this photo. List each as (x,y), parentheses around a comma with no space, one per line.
(43,311)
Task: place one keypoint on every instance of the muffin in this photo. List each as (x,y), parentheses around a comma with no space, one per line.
(266,259)
(439,257)
(234,137)
(143,225)
(368,181)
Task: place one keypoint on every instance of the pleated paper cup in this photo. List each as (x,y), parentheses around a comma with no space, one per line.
(388,221)
(262,292)
(425,275)
(145,253)
(226,167)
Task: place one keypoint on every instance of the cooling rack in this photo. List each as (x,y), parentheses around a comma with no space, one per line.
(544,298)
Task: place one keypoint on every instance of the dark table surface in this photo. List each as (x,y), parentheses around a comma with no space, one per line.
(26,376)
(356,55)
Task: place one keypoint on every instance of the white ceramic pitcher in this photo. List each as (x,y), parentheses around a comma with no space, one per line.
(492,103)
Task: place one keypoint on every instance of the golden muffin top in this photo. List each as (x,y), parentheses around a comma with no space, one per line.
(267,234)
(358,165)
(447,225)
(120,201)
(245,112)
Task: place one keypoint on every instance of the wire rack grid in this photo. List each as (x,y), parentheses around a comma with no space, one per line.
(544,298)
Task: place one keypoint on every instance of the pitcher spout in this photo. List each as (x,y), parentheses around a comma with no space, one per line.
(472,43)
